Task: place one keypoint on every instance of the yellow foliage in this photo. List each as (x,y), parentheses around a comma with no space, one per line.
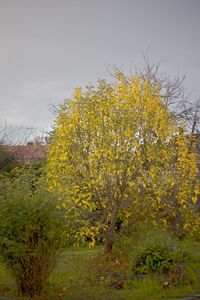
(116,149)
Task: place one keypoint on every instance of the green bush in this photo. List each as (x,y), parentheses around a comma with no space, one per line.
(157,254)
(32,232)
(7,159)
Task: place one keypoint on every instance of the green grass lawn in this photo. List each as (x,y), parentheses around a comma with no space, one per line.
(73,279)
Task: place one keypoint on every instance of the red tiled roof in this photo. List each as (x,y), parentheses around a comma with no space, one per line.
(31,153)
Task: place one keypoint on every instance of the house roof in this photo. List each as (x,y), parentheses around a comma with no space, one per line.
(30,153)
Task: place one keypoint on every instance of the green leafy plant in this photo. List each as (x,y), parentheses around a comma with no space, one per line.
(32,232)
(7,159)
(157,254)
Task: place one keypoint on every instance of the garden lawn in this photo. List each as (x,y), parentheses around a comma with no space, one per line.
(73,279)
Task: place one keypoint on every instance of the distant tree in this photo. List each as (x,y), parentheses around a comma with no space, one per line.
(16,135)
(42,139)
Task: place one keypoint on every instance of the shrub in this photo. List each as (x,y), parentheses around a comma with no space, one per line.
(7,159)
(157,254)
(32,232)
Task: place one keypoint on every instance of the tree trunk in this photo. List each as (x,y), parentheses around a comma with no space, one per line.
(109,241)
(110,233)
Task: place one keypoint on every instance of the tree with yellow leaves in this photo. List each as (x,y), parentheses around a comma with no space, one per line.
(114,147)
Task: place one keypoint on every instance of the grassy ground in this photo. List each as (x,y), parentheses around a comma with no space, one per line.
(73,279)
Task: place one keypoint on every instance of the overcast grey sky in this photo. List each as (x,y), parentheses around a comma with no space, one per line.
(48,47)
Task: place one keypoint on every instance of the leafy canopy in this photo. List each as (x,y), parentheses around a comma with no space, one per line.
(117,150)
